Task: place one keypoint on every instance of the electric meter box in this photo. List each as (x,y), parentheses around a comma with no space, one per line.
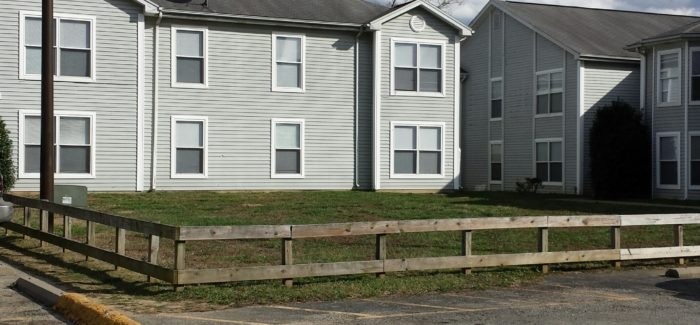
(73,195)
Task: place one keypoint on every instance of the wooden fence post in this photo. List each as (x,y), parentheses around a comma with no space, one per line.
(678,239)
(89,236)
(67,228)
(616,242)
(543,244)
(380,251)
(287,258)
(179,262)
(466,248)
(119,243)
(43,224)
(153,247)
(26,222)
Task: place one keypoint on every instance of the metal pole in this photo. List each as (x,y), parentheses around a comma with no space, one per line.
(48,64)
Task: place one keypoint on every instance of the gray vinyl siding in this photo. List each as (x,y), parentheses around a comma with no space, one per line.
(366,84)
(548,127)
(399,108)
(693,125)
(570,117)
(239,105)
(496,130)
(496,44)
(112,97)
(604,83)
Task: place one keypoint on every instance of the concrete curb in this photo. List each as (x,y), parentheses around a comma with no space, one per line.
(72,306)
(683,272)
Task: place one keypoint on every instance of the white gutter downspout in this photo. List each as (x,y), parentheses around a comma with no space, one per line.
(357,106)
(154,118)
(376,130)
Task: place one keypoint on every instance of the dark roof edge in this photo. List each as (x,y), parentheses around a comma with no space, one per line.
(602,9)
(664,39)
(606,58)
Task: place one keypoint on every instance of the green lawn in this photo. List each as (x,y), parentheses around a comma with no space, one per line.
(246,208)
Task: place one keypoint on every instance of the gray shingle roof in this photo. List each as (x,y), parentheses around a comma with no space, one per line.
(595,32)
(690,30)
(334,11)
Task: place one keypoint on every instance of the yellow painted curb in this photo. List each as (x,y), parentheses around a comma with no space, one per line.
(82,310)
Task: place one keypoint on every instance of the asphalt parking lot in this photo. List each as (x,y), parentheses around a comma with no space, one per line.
(605,297)
(18,309)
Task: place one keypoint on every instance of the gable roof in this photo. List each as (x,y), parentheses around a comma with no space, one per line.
(396,11)
(691,30)
(589,32)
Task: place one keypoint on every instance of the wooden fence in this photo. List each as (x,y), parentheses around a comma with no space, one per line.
(180,275)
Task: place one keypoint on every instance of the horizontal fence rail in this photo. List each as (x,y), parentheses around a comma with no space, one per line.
(180,275)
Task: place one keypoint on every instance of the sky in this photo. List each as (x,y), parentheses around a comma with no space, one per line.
(470,8)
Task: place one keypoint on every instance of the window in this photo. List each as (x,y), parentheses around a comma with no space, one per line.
(496,98)
(189,57)
(417,68)
(550,92)
(189,147)
(417,149)
(548,161)
(669,77)
(695,74)
(74,144)
(695,159)
(287,148)
(74,47)
(496,162)
(288,55)
(667,164)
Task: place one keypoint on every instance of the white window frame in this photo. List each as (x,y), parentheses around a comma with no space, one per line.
(491,143)
(677,136)
(491,99)
(273,82)
(549,142)
(173,57)
(672,101)
(549,92)
(57,115)
(691,75)
(692,134)
(273,147)
(173,146)
(418,43)
(417,125)
(23,15)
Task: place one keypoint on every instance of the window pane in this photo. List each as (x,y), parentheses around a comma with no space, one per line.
(431,80)
(496,89)
(33,62)
(405,79)
(430,56)
(32,159)
(555,154)
(557,80)
(669,62)
(668,173)
(430,138)
(189,161)
(557,102)
(190,70)
(696,63)
(542,104)
(665,90)
(695,88)
(75,63)
(74,130)
(288,49)
(667,148)
(190,43)
(189,134)
(289,75)
(496,108)
(405,138)
(74,160)
(496,171)
(75,34)
(695,173)
(695,147)
(288,162)
(404,162)
(429,163)
(543,171)
(542,151)
(405,55)
(288,136)
(543,82)
(32,31)
(32,130)
(555,172)
(496,153)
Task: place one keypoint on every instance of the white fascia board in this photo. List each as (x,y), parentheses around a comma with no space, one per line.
(149,7)
(463,29)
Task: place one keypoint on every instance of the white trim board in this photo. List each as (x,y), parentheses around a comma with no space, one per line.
(417,125)
(173,57)
(657,160)
(273,148)
(376,24)
(302,80)
(173,146)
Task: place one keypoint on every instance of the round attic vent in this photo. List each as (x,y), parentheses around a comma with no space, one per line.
(417,24)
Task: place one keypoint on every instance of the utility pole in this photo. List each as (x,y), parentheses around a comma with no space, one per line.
(48,66)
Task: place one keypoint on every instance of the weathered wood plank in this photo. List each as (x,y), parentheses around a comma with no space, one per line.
(659,252)
(26,221)
(67,228)
(660,219)
(345,229)
(119,243)
(466,248)
(678,240)
(287,259)
(582,221)
(153,250)
(616,242)
(471,224)
(380,251)
(233,232)
(543,245)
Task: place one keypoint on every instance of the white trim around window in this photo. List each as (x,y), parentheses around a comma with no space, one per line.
(691,159)
(550,160)
(199,145)
(418,66)
(550,92)
(677,142)
(300,61)
(492,162)
(694,73)
(203,55)
(58,17)
(23,114)
(496,96)
(298,146)
(673,78)
(417,147)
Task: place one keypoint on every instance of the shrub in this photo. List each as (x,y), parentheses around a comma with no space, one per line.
(7,167)
(620,153)
(531,185)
